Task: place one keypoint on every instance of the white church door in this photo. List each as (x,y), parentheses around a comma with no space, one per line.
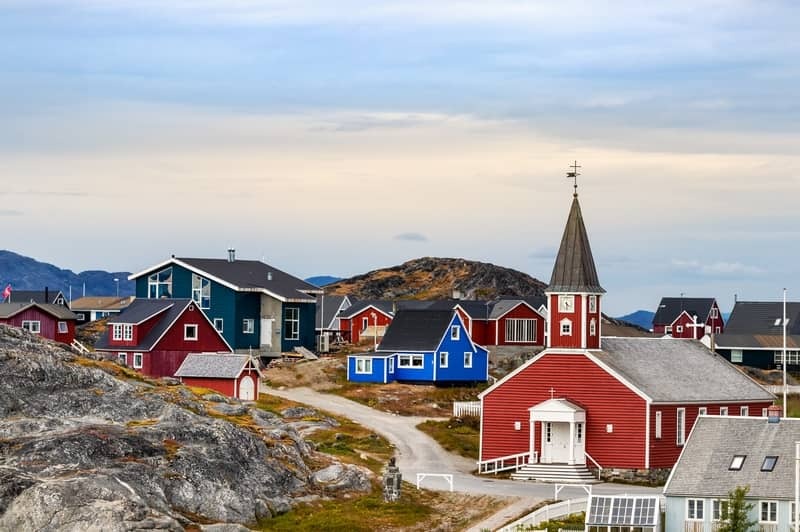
(555,443)
(247,389)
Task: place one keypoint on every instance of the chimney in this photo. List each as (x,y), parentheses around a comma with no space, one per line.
(269,276)
(231,254)
(774,414)
(46,295)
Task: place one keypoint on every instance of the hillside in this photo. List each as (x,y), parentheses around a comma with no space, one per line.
(642,318)
(25,273)
(438,278)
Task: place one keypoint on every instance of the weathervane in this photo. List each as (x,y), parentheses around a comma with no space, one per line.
(574,176)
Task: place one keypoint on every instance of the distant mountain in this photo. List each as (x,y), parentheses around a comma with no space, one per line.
(322,280)
(25,273)
(642,318)
(439,278)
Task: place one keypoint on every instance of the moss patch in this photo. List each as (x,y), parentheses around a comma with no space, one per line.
(457,435)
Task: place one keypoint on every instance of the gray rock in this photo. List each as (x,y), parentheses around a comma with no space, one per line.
(224,527)
(171,381)
(231,410)
(345,477)
(299,412)
(215,398)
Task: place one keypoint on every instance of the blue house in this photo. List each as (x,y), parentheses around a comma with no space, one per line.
(425,346)
(254,305)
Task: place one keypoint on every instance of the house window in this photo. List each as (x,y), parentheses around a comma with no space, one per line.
(566,327)
(467,359)
(769,512)
(391,365)
(159,284)
(694,509)
(736,356)
(679,329)
(122,358)
(137,360)
(714,313)
(717,330)
(702,411)
(723,410)
(548,432)
(592,327)
(364,324)
(127,332)
(681,426)
(62,327)
(443,359)
(769,463)
(520,330)
(658,425)
(737,462)
(364,365)
(668,329)
(218,322)
(455,332)
(719,509)
(764,412)
(592,303)
(744,411)
(248,326)
(116,331)
(81,316)
(201,291)
(410,361)
(190,331)
(59,300)
(291,323)
(33,326)
(579,433)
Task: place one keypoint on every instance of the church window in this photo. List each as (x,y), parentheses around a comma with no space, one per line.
(592,303)
(566,327)
(592,327)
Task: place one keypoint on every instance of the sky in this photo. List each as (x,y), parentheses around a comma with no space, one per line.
(334,138)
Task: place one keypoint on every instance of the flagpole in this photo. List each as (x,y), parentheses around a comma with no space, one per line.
(784,354)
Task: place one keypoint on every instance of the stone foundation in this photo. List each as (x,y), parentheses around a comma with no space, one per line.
(650,477)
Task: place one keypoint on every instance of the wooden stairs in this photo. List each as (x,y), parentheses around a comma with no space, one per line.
(560,473)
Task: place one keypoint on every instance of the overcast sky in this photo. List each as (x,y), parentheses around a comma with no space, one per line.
(340,137)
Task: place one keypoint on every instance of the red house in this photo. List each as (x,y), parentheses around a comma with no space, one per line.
(233,375)
(366,320)
(619,403)
(688,317)
(154,336)
(52,321)
(504,322)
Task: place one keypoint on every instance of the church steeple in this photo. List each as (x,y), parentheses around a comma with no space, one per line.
(574,291)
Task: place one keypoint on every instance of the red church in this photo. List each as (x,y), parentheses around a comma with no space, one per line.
(602,404)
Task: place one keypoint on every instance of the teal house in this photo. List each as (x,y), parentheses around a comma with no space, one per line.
(253,305)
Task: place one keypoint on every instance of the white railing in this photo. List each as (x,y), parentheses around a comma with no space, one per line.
(596,464)
(504,463)
(79,347)
(466,408)
(551,511)
(778,388)
(447,476)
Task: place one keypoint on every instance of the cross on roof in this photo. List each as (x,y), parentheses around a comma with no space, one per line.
(574,176)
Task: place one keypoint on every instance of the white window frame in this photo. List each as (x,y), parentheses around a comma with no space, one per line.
(723,410)
(391,364)
(764,412)
(63,328)
(695,509)
(443,355)
(122,358)
(566,327)
(127,332)
(592,327)
(714,313)
(467,359)
(592,303)
(578,432)
(219,324)
(191,327)
(736,356)
(32,326)
(455,332)
(116,331)
(668,329)
(744,411)
(702,411)
(772,510)
(364,323)
(201,291)
(717,329)
(81,316)
(719,509)
(291,323)
(679,329)
(658,424)
(138,359)
(520,330)
(548,432)
(364,365)
(248,326)
(409,361)
(154,286)
(680,426)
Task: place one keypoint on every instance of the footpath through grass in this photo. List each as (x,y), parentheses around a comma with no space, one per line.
(456,435)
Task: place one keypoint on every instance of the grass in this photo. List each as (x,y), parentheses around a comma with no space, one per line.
(457,435)
(793,404)
(365,514)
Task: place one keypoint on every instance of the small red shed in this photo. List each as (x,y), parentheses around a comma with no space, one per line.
(233,375)
(51,321)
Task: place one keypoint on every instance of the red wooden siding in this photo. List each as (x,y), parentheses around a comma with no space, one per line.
(556,340)
(48,324)
(354,324)
(521,311)
(223,386)
(574,377)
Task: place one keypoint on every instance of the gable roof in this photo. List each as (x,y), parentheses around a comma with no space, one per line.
(108,303)
(330,305)
(7,310)
(574,269)
(143,309)
(416,330)
(671,307)
(214,365)
(759,317)
(35,296)
(703,468)
(384,306)
(504,306)
(672,370)
(245,276)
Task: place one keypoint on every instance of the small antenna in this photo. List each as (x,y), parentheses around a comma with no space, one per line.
(574,176)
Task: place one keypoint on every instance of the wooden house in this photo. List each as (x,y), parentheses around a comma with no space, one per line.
(233,375)
(154,336)
(252,304)
(723,453)
(423,346)
(49,320)
(91,308)
(688,317)
(329,316)
(619,403)
(366,320)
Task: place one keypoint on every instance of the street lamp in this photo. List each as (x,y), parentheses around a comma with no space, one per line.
(374,330)
(116,280)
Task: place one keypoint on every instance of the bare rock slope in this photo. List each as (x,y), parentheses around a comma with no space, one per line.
(83,450)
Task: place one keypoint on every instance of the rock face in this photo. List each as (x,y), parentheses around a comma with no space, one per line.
(438,278)
(82,450)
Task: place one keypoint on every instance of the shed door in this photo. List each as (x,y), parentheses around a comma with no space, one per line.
(266,332)
(247,389)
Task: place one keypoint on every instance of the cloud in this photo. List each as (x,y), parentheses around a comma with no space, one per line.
(543,254)
(411,237)
(720,268)
(10,212)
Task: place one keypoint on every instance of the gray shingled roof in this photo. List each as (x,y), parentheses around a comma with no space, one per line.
(671,307)
(219,366)
(574,270)
(330,305)
(703,469)
(381,304)
(166,311)
(35,296)
(755,341)
(681,371)
(504,305)
(416,330)
(58,311)
(142,309)
(758,317)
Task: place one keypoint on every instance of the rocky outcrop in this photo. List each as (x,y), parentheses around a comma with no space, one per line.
(437,278)
(83,450)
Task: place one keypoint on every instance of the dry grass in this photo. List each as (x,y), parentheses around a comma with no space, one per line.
(457,435)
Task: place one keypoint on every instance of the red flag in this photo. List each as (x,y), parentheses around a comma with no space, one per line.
(7,292)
